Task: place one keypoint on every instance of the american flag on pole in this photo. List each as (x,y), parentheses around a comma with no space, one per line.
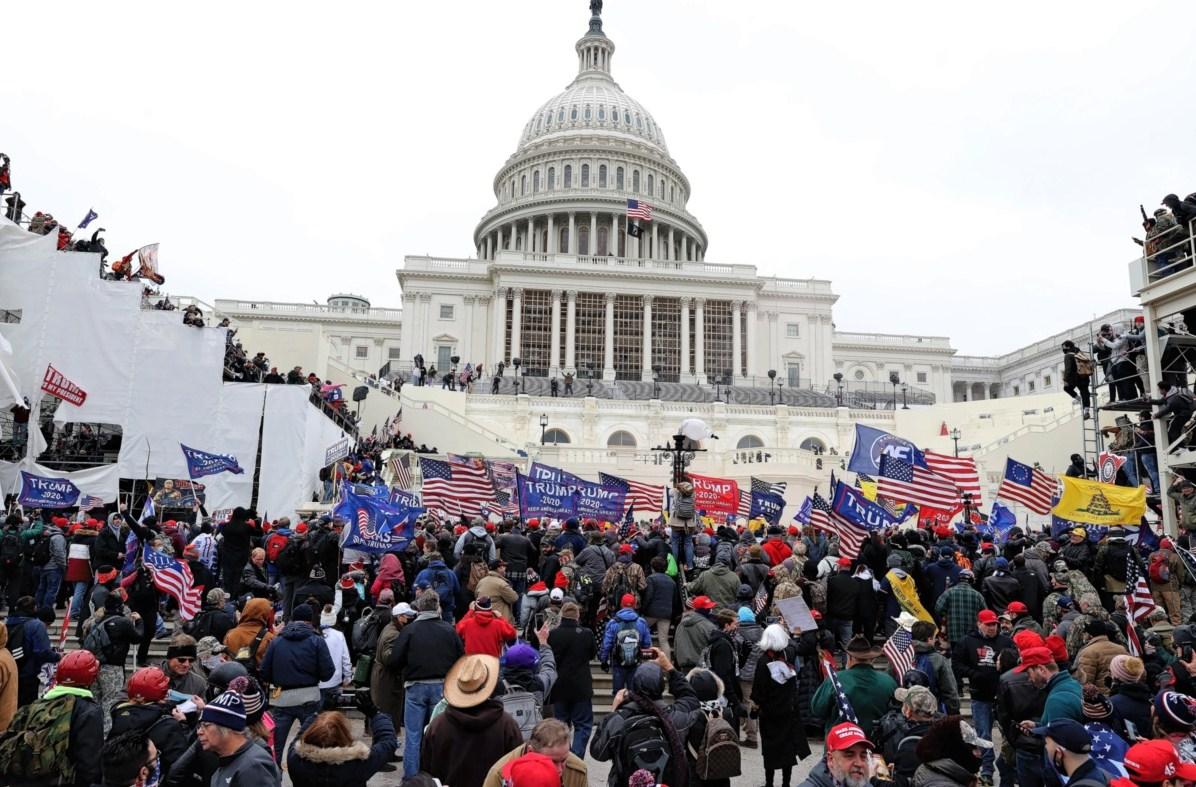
(88,502)
(769,487)
(904,481)
(173,577)
(960,470)
(1027,485)
(899,650)
(645,497)
(851,536)
(745,504)
(638,209)
(845,710)
(457,487)
(400,466)
(760,600)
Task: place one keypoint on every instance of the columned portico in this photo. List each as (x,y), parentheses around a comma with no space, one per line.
(516,319)
(498,330)
(646,362)
(736,339)
(571,331)
(686,374)
(608,357)
(700,340)
(752,316)
(554,336)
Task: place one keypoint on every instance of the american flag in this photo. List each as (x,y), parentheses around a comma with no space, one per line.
(961,470)
(637,209)
(904,481)
(1027,485)
(761,486)
(745,503)
(851,536)
(400,466)
(1139,603)
(845,709)
(88,502)
(173,577)
(646,497)
(760,600)
(507,503)
(458,486)
(899,650)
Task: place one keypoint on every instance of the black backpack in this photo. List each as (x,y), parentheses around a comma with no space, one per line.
(476,546)
(201,626)
(1115,560)
(41,550)
(16,642)
(10,548)
(645,746)
(291,561)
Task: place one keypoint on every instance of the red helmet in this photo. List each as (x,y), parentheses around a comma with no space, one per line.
(149,684)
(78,668)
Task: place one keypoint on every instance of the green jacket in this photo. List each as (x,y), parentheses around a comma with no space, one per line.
(1064,699)
(1187,508)
(869,690)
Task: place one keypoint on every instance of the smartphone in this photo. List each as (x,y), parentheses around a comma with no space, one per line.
(647,653)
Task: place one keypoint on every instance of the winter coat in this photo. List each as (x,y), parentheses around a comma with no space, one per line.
(517,551)
(169,735)
(57,548)
(342,766)
(724,662)
(109,546)
(593,562)
(437,570)
(776,550)
(659,597)
(975,658)
(338,654)
(1018,700)
(191,684)
(258,612)
(250,766)
(8,682)
(782,732)
(78,560)
(1063,699)
(1133,702)
(482,631)
(570,539)
(502,596)
(254,580)
(486,731)
(573,647)
(621,619)
(942,574)
(624,577)
(959,607)
(691,638)
(575,774)
(946,689)
(212,620)
(1093,660)
(869,691)
(123,633)
(36,642)
(476,533)
(720,583)
(386,684)
(1000,590)
(943,773)
(820,776)
(426,649)
(842,596)
(752,573)
(85,740)
(297,658)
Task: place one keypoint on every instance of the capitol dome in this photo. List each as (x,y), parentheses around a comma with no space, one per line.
(583,155)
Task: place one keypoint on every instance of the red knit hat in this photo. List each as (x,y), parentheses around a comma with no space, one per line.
(531,770)
(628,600)
(561,580)
(1057,647)
(301,528)
(793,530)
(538,588)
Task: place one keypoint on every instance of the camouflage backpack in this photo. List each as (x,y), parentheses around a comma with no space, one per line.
(36,743)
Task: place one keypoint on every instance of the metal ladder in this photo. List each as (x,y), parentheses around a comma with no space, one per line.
(1093,440)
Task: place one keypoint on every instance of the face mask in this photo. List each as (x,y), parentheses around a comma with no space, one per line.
(155,775)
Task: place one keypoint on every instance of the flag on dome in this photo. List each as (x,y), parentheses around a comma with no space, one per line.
(638,209)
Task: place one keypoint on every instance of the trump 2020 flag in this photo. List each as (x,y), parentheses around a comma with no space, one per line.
(374,524)
(43,492)
(202,463)
(89,218)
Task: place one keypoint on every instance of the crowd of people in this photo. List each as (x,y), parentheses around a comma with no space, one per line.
(1167,242)
(479,637)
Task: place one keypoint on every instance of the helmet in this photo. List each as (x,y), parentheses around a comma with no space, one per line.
(78,668)
(219,678)
(149,684)
(915,677)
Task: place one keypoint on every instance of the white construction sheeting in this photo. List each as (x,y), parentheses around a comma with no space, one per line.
(282,484)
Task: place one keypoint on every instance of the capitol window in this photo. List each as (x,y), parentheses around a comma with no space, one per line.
(568,176)
(446,311)
(619,178)
(551,178)
(601,176)
(792,330)
(394,353)
(535,181)
(651,184)
(1030,385)
(635,180)
(921,377)
(587,112)
(362,351)
(859,374)
(602,113)
(672,193)
(547,119)
(573,113)
(556,437)
(621,439)
(1046,381)
(662,188)
(522,184)
(560,115)
(750,441)
(585,176)
(626,117)
(638,123)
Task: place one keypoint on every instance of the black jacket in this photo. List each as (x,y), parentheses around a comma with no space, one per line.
(255,581)
(123,633)
(211,621)
(975,658)
(1018,700)
(573,647)
(1132,702)
(842,596)
(108,550)
(752,573)
(437,651)
(1000,590)
(725,665)
(660,597)
(235,544)
(517,551)
(169,735)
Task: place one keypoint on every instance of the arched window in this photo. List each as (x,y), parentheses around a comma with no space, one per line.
(551,178)
(560,115)
(626,117)
(602,113)
(556,437)
(635,180)
(564,240)
(547,119)
(601,176)
(662,188)
(813,444)
(573,113)
(621,439)
(588,112)
(537,125)
(583,239)
(619,178)
(535,181)
(651,184)
(672,193)
(603,241)
(638,123)
(522,185)
(614,115)
(568,176)
(585,176)
(750,441)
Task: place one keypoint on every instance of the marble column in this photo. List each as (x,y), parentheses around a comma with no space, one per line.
(646,360)
(516,320)
(736,340)
(685,367)
(571,331)
(751,339)
(498,313)
(465,347)
(498,246)
(608,360)
(425,323)
(593,248)
(554,335)
(572,233)
(530,243)
(612,242)
(700,339)
(551,246)
(654,249)
(668,251)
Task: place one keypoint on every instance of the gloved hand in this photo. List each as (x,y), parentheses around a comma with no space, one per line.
(364,702)
(605,666)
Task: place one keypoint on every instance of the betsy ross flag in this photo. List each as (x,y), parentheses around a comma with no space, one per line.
(400,466)
(912,484)
(846,712)
(960,470)
(645,497)
(1139,602)
(638,209)
(458,486)
(173,577)
(1027,485)
(899,650)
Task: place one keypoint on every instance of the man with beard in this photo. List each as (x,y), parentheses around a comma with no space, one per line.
(846,764)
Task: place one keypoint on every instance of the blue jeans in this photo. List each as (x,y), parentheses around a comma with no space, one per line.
(1151,463)
(620,677)
(842,631)
(683,547)
(1131,470)
(48,582)
(1029,768)
(421,699)
(580,716)
(77,600)
(284,718)
(982,718)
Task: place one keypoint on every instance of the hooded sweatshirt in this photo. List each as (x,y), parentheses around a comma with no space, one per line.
(693,635)
(8,682)
(486,731)
(623,618)
(258,612)
(484,632)
(474,533)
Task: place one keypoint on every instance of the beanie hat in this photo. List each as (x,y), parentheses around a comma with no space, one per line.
(302,612)
(482,604)
(561,580)
(538,589)
(746,615)
(1028,639)
(1058,647)
(1127,669)
(1095,704)
(627,601)
(521,656)
(227,710)
(328,617)
(532,770)
(251,696)
(1175,710)
(216,597)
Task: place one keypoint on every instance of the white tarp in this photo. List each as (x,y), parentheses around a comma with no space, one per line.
(281,482)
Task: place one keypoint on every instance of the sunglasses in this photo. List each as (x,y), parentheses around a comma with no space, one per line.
(185,659)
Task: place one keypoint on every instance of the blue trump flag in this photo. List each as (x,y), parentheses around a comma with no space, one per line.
(372,524)
(803,514)
(1000,521)
(871,444)
(851,504)
(544,497)
(43,492)
(767,505)
(401,497)
(590,499)
(202,463)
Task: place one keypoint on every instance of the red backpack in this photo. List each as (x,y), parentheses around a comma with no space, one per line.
(1159,571)
(274,545)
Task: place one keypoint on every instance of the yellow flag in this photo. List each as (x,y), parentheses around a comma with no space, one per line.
(868,488)
(1094,503)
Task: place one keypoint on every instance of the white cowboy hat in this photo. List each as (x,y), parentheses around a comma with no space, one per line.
(906,620)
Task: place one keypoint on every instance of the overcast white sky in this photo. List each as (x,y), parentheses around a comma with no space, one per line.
(960,169)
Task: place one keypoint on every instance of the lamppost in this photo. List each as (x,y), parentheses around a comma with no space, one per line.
(894,378)
(781,390)
(655,382)
(839,393)
(589,379)
(681,455)
(966,498)
(772,382)
(955,435)
(543,426)
(516,363)
(904,400)
(454,360)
